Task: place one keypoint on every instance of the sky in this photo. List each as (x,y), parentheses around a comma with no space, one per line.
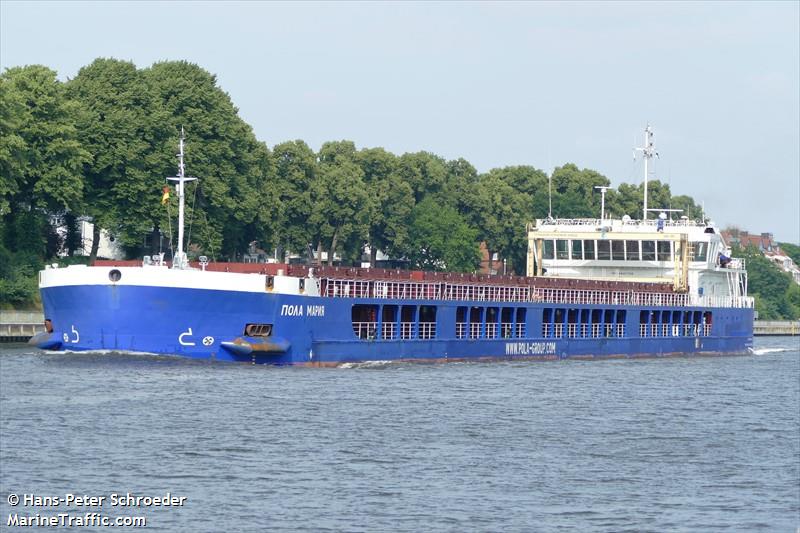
(497,83)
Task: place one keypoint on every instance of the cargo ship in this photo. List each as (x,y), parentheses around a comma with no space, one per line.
(594,289)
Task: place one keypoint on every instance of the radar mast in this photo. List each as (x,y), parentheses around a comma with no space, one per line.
(179,260)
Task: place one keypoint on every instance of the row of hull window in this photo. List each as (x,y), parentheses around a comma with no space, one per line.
(490,322)
(406,322)
(391,322)
(616,250)
(583,323)
(591,323)
(675,323)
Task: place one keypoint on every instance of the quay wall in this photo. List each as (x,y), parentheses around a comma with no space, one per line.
(19,326)
(776,327)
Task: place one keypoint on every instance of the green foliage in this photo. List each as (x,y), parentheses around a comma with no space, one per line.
(47,168)
(502,214)
(424,172)
(775,293)
(791,250)
(392,200)
(295,171)
(574,194)
(123,127)
(41,157)
(440,239)
(341,205)
(531,181)
(18,279)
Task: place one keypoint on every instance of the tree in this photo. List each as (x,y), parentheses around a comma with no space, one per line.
(574,193)
(440,239)
(391,202)
(629,199)
(123,126)
(295,171)
(774,291)
(340,202)
(424,172)
(502,214)
(41,155)
(13,149)
(791,250)
(530,181)
(690,208)
(460,188)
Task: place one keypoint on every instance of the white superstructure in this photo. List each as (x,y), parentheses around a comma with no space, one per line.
(691,255)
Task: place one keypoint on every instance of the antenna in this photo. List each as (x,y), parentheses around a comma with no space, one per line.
(179,259)
(648,151)
(602,189)
(550,195)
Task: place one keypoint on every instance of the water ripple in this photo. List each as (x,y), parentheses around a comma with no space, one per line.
(700,444)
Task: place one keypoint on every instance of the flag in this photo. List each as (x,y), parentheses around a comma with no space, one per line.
(165,196)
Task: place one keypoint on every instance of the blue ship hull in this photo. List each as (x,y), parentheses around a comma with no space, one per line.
(315,330)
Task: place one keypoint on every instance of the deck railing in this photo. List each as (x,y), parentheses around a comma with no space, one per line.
(412,290)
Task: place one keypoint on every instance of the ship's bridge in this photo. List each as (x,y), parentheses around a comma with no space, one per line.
(690,254)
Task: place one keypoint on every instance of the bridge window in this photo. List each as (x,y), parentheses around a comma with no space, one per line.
(577,249)
(618,250)
(588,250)
(603,250)
(562,249)
(548,250)
(700,251)
(648,250)
(632,250)
(664,251)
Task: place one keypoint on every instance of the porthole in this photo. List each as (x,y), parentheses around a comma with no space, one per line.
(115,275)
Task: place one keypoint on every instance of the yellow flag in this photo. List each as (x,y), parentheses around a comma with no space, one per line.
(165,196)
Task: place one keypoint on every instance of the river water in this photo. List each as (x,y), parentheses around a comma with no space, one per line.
(698,444)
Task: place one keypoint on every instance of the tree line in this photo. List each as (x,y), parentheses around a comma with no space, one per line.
(100,145)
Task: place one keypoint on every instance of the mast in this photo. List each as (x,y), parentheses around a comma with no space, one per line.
(602,189)
(179,260)
(648,151)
